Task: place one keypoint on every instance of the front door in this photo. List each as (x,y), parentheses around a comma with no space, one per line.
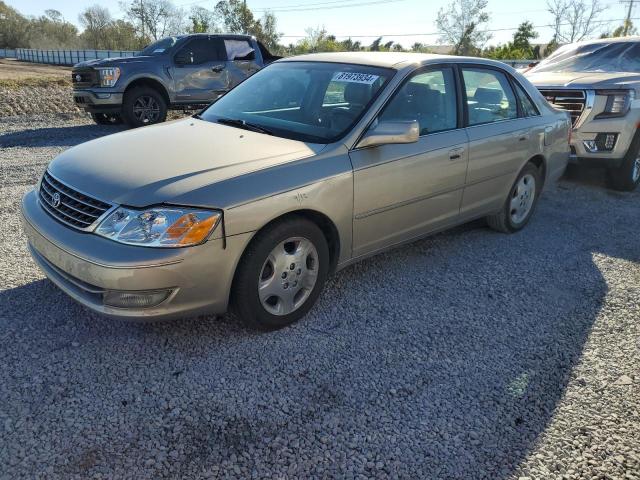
(406,190)
(203,76)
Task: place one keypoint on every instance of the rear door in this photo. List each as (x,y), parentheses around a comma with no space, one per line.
(204,76)
(498,138)
(407,190)
(242,59)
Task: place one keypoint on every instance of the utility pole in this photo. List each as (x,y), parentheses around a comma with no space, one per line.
(627,22)
(244,16)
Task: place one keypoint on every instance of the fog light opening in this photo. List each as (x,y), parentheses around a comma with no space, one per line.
(128,299)
(604,142)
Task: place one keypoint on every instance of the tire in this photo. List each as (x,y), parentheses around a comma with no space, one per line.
(626,177)
(143,106)
(520,203)
(106,118)
(289,274)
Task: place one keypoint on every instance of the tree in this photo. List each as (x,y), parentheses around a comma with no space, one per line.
(95,20)
(460,24)
(52,31)
(14,30)
(522,37)
(519,48)
(202,20)
(627,28)
(155,18)
(574,20)
(268,33)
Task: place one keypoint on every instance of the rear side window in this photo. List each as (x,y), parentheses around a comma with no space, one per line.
(203,50)
(489,96)
(239,50)
(528,107)
(429,98)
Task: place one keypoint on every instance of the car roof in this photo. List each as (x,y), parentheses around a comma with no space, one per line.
(395,60)
(634,38)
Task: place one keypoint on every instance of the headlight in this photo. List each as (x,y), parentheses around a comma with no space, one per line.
(618,102)
(159,227)
(108,76)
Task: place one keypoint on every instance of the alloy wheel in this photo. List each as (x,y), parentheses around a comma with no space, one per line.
(146,109)
(522,198)
(635,171)
(288,276)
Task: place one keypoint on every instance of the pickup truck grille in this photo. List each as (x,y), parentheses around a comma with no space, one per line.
(68,205)
(573,101)
(84,77)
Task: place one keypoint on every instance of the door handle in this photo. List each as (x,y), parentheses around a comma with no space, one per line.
(217,68)
(456,153)
(523,135)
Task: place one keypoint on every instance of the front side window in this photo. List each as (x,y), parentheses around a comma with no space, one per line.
(201,50)
(489,96)
(429,98)
(528,107)
(308,101)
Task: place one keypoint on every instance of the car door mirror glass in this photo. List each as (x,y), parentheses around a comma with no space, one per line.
(390,132)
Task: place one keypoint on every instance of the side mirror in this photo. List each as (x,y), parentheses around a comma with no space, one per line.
(183,58)
(388,132)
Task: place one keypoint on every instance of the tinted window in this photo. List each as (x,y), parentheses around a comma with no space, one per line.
(239,50)
(429,98)
(528,108)
(161,46)
(202,50)
(489,96)
(288,99)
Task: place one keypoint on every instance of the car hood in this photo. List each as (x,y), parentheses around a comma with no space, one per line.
(584,79)
(110,62)
(164,163)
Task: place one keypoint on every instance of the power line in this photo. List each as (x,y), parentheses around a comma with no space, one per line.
(306,8)
(489,30)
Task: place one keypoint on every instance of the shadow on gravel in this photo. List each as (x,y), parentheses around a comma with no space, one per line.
(57,137)
(442,359)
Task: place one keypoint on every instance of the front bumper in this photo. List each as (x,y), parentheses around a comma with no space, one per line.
(85,265)
(103,101)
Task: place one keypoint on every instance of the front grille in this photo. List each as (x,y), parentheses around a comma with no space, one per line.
(84,77)
(68,205)
(573,101)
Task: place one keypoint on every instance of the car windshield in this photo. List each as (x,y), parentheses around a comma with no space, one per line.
(309,101)
(594,57)
(161,46)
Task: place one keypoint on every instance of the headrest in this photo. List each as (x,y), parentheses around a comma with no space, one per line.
(492,96)
(357,93)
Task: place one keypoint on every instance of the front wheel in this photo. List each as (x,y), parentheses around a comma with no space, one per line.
(521,202)
(143,106)
(281,274)
(626,177)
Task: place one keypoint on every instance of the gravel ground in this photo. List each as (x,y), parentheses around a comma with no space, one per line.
(470,354)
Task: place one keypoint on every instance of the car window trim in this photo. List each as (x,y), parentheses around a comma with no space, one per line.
(482,66)
(222,53)
(516,85)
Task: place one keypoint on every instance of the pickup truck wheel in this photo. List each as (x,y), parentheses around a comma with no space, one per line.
(626,177)
(521,202)
(143,106)
(106,118)
(281,274)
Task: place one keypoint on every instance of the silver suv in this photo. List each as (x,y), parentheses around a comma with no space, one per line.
(598,83)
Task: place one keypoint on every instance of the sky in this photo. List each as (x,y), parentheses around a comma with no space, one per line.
(403,21)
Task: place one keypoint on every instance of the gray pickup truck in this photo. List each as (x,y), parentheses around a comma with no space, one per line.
(182,72)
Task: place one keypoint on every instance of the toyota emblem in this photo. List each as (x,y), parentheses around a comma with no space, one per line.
(55,200)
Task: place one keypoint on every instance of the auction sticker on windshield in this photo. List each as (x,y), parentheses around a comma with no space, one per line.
(354,77)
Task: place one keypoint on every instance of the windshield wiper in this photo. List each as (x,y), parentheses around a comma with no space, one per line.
(236,122)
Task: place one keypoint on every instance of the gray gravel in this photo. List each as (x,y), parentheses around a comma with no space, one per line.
(467,355)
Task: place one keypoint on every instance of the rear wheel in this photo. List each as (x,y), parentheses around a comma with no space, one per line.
(106,118)
(143,106)
(521,202)
(281,274)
